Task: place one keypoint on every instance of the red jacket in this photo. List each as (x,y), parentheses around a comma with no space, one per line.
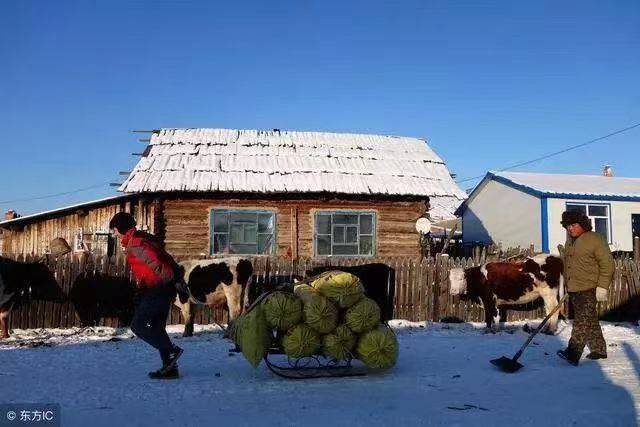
(150,264)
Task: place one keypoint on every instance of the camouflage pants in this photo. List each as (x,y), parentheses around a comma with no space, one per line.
(586,328)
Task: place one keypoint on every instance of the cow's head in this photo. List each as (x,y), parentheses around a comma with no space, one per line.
(458,280)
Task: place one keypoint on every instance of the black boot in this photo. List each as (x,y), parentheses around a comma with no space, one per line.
(165,374)
(569,356)
(596,356)
(171,359)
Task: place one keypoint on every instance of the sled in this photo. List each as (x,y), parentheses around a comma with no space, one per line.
(316,366)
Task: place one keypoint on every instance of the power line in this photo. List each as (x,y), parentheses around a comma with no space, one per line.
(528,162)
(48,196)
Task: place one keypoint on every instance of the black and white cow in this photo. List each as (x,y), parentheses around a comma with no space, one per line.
(22,282)
(377,279)
(502,283)
(216,283)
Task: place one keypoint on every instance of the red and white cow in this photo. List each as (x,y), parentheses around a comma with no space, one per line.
(494,284)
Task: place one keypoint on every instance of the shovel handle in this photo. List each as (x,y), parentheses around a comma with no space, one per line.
(539,328)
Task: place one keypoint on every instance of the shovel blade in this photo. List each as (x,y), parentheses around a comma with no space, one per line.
(507,365)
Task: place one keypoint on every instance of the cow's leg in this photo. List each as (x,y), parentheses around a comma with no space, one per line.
(550,298)
(497,318)
(502,314)
(490,312)
(233,298)
(4,322)
(186,309)
(189,319)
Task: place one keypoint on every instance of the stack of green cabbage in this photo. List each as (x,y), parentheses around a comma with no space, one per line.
(330,316)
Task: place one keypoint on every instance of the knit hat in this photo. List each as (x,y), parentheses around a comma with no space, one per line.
(123,222)
(576,217)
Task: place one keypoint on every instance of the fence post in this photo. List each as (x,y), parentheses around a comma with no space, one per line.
(438,277)
(435,308)
(636,248)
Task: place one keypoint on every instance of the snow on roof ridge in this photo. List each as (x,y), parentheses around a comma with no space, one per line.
(574,184)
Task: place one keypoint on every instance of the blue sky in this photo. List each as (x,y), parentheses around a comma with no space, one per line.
(488,84)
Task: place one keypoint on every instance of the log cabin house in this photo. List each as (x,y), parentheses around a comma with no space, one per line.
(210,192)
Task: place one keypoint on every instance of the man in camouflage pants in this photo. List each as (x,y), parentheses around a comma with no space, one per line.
(588,270)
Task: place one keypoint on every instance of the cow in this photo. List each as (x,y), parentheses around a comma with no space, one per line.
(216,283)
(96,295)
(22,282)
(494,284)
(378,280)
(261,284)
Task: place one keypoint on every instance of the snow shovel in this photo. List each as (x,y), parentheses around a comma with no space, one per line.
(512,365)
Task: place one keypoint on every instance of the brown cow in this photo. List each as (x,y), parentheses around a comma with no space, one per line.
(502,283)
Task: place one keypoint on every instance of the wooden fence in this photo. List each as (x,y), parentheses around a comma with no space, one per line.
(421,293)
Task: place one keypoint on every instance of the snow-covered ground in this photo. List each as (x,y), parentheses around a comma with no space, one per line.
(443,377)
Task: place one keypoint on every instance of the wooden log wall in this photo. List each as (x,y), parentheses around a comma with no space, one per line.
(186,224)
(34,237)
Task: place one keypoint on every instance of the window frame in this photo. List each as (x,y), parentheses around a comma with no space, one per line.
(257,212)
(593,217)
(373,235)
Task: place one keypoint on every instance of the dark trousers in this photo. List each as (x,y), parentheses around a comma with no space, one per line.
(586,328)
(150,318)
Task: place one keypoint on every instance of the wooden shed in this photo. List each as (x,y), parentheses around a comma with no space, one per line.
(210,192)
(85,226)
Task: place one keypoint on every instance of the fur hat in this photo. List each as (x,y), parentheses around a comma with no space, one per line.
(576,217)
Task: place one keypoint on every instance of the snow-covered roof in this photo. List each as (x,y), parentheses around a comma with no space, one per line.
(563,186)
(274,161)
(63,209)
(574,185)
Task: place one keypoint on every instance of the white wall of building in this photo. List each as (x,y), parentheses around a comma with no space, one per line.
(501,214)
(620,217)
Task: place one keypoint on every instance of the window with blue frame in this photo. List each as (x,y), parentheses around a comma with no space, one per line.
(598,213)
(241,231)
(344,233)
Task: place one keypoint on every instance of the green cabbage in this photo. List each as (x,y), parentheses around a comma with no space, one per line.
(378,348)
(339,344)
(363,316)
(321,314)
(305,292)
(300,341)
(282,310)
(340,287)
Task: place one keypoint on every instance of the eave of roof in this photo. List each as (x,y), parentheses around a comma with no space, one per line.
(541,194)
(83,205)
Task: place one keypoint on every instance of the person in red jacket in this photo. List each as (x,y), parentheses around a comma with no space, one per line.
(154,271)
